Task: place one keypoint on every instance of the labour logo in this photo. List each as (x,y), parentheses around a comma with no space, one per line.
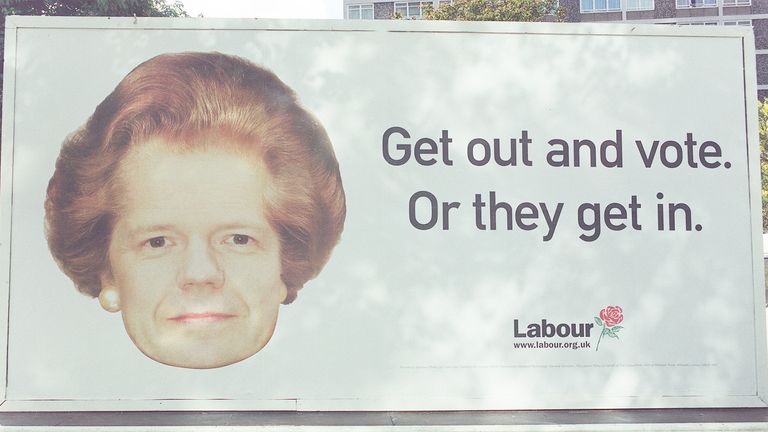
(609,319)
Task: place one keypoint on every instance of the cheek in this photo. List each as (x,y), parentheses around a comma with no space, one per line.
(141,284)
(258,282)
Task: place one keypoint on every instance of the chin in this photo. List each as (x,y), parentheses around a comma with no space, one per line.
(202,363)
(201,359)
(201,346)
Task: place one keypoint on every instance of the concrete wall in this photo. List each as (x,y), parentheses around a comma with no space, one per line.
(737,10)
(762,69)
(665,9)
(698,12)
(383,10)
(761,33)
(644,15)
(601,16)
(572,11)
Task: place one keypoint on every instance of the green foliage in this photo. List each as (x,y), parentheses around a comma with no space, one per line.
(762,108)
(151,8)
(496,10)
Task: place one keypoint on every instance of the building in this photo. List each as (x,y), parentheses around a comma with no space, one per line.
(680,12)
(375,9)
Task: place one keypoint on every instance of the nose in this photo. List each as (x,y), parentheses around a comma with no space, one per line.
(200,267)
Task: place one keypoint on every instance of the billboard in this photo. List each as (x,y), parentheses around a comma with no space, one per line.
(325,215)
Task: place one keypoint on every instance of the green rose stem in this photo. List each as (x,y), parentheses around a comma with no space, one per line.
(599,339)
(599,322)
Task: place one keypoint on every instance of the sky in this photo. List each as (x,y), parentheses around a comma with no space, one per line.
(319,9)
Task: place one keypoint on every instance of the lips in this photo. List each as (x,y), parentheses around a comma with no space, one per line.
(201,317)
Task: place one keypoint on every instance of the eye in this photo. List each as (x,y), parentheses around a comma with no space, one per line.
(157,242)
(239,239)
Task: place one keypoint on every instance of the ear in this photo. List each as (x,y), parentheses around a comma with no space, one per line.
(289,294)
(109,297)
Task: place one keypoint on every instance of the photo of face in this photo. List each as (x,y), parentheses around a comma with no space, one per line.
(197,199)
(193,259)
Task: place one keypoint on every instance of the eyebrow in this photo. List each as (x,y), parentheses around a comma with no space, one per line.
(149,228)
(247,226)
(259,228)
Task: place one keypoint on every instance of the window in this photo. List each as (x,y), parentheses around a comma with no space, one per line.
(410,9)
(706,23)
(444,2)
(640,5)
(360,11)
(683,4)
(600,5)
(737,2)
(740,22)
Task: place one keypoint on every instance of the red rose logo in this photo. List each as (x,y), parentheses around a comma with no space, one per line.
(608,320)
(611,316)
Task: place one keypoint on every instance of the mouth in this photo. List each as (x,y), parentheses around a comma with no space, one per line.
(201,317)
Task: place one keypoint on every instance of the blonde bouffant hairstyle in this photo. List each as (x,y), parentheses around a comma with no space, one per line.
(186,95)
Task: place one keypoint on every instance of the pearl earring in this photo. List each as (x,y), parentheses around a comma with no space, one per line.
(109,299)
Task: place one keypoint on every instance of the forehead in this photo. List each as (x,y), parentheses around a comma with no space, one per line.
(212,171)
(216,139)
(189,149)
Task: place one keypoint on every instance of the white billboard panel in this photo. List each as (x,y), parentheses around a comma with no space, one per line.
(537,216)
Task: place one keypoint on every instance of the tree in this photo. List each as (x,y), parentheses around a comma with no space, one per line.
(496,10)
(150,8)
(762,108)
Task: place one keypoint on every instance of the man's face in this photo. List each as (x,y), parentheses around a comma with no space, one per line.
(192,257)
